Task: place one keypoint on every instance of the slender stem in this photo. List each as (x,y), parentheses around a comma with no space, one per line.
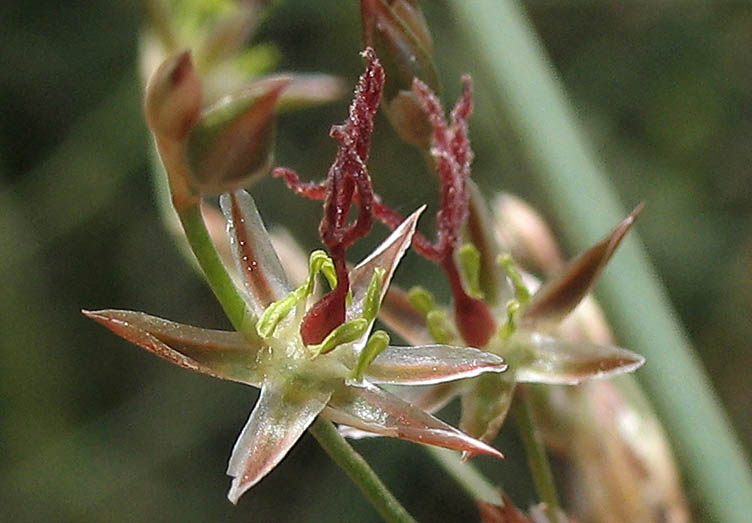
(466,475)
(359,471)
(216,274)
(243,320)
(582,198)
(536,455)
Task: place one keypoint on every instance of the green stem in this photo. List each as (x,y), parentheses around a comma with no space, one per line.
(359,471)
(216,274)
(466,475)
(583,200)
(536,455)
(243,320)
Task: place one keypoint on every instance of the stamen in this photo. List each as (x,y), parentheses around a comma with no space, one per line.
(469,258)
(423,300)
(276,312)
(378,341)
(520,289)
(345,333)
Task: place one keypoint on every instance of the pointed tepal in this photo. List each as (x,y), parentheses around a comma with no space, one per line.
(430,364)
(386,256)
(255,258)
(222,354)
(276,423)
(557,297)
(550,360)
(371,409)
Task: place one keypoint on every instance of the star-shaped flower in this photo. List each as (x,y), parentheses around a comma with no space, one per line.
(299,382)
(312,356)
(493,308)
(526,338)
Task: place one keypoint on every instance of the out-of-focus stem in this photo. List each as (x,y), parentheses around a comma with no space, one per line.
(466,475)
(537,459)
(583,200)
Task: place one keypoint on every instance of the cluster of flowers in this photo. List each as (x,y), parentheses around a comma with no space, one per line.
(313,353)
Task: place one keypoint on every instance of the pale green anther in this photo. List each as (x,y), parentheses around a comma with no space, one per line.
(469,258)
(373,295)
(520,290)
(506,330)
(376,344)
(422,300)
(439,326)
(354,329)
(345,333)
(274,313)
(318,262)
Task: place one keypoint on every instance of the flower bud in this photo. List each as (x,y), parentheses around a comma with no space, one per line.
(522,231)
(232,144)
(409,12)
(173,98)
(397,31)
(409,119)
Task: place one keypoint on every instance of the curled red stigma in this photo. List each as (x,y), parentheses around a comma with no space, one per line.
(347,182)
(452,155)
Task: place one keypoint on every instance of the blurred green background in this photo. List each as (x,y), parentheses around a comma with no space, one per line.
(93,429)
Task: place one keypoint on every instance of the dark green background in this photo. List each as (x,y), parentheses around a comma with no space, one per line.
(93,429)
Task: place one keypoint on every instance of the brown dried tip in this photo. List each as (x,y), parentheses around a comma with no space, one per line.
(347,182)
(558,296)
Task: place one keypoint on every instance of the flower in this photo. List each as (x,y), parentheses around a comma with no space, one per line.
(524,337)
(306,357)
(298,382)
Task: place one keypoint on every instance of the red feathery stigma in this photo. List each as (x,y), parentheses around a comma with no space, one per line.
(450,149)
(347,182)
(350,183)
